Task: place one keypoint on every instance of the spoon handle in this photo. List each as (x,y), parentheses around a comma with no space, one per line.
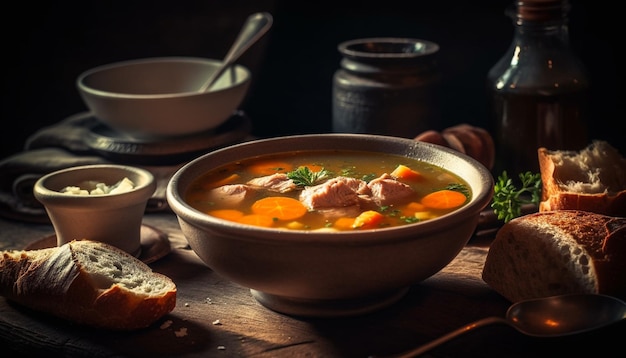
(449,336)
(255,26)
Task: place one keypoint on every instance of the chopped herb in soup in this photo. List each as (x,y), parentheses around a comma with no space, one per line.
(331,190)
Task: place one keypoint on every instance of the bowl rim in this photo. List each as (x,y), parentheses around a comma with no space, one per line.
(481,198)
(242,80)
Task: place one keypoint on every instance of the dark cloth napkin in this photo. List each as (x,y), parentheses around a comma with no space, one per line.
(56,147)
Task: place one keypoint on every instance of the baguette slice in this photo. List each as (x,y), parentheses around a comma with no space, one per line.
(593,179)
(89,283)
(558,252)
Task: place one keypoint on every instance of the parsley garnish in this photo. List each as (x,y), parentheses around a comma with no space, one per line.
(369,177)
(461,188)
(303,176)
(508,199)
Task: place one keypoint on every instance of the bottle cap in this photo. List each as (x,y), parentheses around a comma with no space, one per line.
(541,10)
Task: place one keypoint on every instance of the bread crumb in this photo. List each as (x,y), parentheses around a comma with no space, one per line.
(221,348)
(98,188)
(181,332)
(186,304)
(166,324)
(217,322)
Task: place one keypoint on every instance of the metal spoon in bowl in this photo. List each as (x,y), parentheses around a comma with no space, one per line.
(253,29)
(546,317)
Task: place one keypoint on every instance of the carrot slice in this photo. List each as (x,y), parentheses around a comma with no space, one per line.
(279,207)
(257,220)
(344,223)
(270,167)
(227,214)
(368,220)
(411,208)
(406,173)
(444,199)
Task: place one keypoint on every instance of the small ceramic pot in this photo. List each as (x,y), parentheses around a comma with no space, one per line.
(113,218)
(387,86)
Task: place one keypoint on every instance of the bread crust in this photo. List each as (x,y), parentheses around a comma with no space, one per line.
(558,252)
(593,179)
(63,282)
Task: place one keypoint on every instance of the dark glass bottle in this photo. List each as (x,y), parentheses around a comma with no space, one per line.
(539,90)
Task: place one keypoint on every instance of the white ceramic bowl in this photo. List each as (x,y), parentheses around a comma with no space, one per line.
(112,218)
(314,273)
(155,98)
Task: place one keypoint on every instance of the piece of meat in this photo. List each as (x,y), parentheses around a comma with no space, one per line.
(334,193)
(367,202)
(387,190)
(231,194)
(278,182)
(340,212)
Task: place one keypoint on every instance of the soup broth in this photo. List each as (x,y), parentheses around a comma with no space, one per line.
(330,190)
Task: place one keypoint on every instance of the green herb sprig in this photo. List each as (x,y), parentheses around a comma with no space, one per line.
(303,176)
(508,199)
(461,188)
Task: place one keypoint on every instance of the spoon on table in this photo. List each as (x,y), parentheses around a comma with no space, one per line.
(553,316)
(253,29)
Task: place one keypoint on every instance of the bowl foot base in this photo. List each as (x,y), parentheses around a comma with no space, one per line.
(328,308)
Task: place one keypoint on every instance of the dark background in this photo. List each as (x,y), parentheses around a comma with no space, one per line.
(46,46)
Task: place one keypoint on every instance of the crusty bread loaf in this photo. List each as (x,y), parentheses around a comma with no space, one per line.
(593,179)
(89,283)
(558,252)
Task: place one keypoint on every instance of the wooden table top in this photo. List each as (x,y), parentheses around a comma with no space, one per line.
(217,318)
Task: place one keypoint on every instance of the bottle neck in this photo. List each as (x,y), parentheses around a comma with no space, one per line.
(540,10)
(540,55)
(547,21)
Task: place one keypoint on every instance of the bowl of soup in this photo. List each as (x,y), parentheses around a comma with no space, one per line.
(325,225)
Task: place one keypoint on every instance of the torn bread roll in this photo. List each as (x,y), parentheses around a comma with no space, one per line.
(593,179)
(558,252)
(89,283)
